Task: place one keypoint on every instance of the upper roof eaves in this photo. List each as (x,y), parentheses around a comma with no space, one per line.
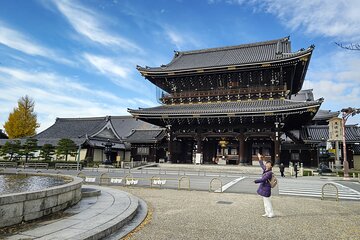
(279,49)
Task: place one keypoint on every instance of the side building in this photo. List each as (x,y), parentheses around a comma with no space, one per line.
(92,134)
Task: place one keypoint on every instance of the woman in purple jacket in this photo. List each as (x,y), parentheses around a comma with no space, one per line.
(264,189)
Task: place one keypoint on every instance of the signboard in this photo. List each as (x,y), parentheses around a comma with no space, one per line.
(335,129)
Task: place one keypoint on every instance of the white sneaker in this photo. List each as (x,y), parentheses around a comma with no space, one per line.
(265,215)
(270,216)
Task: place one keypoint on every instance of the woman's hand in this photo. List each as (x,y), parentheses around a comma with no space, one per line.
(259,156)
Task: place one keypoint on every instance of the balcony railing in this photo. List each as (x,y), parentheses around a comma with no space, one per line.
(225,92)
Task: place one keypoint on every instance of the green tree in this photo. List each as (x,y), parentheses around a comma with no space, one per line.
(28,148)
(47,151)
(10,149)
(22,122)
(66,147)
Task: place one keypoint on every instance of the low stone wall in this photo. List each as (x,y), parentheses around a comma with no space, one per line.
(25,206)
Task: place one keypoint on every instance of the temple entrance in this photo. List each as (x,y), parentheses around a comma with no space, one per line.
(264,146)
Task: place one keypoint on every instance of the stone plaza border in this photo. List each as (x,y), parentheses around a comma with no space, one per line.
(25,206)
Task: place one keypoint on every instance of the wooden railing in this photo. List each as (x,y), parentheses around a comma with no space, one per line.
(224,92)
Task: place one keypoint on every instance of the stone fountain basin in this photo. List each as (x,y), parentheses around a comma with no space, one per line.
(25,206)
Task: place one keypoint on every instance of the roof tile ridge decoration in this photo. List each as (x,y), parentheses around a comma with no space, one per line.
(122,117)
(246,45)
(80,119)
(108,120)
(96,128)
(149,129)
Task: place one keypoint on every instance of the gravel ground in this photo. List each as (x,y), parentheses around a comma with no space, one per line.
(198,215)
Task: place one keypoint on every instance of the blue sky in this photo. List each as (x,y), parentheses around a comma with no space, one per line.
(78,58)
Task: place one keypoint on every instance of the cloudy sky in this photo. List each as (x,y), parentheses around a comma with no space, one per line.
(78,58)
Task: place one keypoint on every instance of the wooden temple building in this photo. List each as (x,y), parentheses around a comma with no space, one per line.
(230,102)
(219,105)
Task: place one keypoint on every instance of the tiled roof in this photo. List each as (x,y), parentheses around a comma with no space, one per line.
(146,136)
(80,129)
(72,128)
(318,133)
(279,49)
(325,115)
(219,108)
(125,124)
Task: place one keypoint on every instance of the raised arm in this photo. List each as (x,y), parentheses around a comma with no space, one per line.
(261,161)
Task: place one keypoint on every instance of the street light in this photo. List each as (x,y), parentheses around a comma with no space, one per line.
(346,113)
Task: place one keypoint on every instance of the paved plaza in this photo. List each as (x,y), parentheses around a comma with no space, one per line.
(199,214)
(203,215)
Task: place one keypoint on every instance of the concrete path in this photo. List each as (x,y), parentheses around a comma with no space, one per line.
(91,218)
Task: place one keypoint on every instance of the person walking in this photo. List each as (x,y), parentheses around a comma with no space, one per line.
(282,169)
(264,189)
(296,170)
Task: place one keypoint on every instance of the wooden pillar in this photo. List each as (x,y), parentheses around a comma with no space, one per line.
(241,149)
(199,144)
(171,138)
(277,152)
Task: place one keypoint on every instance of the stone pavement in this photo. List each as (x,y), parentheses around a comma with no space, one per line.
(203,215)
(92,218)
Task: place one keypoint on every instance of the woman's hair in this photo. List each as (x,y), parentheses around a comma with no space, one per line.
(269,162)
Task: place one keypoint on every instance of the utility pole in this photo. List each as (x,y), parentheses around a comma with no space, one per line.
(346,113)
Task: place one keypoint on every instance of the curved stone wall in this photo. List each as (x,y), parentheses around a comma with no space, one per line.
(18,207)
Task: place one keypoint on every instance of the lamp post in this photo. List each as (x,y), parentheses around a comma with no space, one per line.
(346,113)
(108,148)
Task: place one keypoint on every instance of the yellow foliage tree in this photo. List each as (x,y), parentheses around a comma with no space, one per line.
(22,122)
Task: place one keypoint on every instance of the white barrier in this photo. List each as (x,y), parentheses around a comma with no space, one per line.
(159,182)
(116,180)
(90,179)
(131,182)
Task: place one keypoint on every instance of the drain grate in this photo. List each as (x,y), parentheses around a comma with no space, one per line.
(224,202)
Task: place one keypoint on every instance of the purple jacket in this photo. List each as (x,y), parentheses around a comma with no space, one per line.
(264,188)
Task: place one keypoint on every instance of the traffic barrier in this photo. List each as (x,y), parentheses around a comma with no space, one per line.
(329,184)
(104,179)
(129,180)
(81,175)
(116,180)
(181,180)
(157,181)
(90,179)
(211,182)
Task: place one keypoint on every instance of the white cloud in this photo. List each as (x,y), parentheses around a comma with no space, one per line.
(20,42)
(107,66)
(339,19)
(88,23)
(117,70)
(58,96)
(181,39)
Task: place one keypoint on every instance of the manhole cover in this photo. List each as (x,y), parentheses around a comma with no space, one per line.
(224,202)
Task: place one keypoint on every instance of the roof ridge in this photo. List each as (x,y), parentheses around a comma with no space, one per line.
(82,118)
(149,129)
(245,45)
(94,118)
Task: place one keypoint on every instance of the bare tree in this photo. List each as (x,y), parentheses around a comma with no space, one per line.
(351,46)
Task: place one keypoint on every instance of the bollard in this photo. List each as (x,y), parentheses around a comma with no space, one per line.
(330,184)
(212,180)
(104,179)
(180,180)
